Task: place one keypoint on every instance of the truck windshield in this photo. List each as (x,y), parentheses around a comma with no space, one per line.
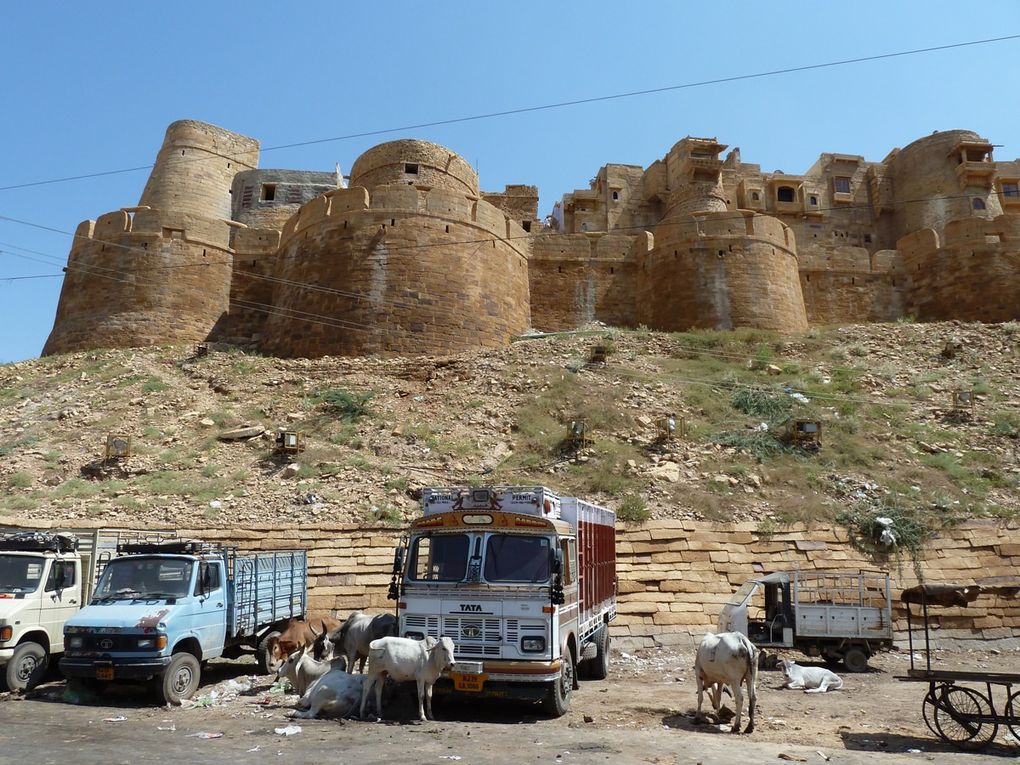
(516,558)
(439,558)
(140,578)
(739,596)
(20,573)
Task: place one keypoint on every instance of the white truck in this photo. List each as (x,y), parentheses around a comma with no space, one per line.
(521,579)
(45,577)
(838,615)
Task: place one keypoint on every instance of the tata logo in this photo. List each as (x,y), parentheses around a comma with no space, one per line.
(471,631)
(106,644)
(470,608)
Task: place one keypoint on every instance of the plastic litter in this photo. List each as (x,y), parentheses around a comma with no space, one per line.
(206,734)
(288,730)
(118,718)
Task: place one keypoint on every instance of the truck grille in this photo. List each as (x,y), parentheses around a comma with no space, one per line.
(110,643)
(471,636)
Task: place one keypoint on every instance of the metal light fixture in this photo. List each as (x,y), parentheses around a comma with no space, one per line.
(289,442)
(118,447)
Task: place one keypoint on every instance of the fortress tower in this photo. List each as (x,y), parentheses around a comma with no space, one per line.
(160,272)
(409,259)
(713,267)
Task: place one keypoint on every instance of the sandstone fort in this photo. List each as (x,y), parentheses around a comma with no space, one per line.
(410,256)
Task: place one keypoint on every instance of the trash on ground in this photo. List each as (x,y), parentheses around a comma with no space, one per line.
(206,734)
(118,718)
(288,730)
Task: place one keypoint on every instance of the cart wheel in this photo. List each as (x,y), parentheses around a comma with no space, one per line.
(1012,718)
(928,708)
(964,717)
(855,660)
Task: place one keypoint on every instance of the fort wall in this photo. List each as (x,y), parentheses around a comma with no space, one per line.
(419,271)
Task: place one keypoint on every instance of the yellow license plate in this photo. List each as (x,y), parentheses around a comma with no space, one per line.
(466,682)
(104,673)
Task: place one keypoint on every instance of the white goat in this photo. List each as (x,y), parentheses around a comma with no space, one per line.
(404,659)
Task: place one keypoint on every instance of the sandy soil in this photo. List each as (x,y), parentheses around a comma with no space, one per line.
(643,713)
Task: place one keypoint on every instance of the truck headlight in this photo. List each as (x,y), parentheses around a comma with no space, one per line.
(533,644)
(6,632)
(74,641)
(414,636)
(156,642)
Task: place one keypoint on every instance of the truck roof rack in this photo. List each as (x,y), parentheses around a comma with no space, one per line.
(168,547)
(39,541)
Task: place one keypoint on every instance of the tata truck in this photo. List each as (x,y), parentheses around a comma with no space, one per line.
(161,609)
(45,577)
(836,615)
(523,581)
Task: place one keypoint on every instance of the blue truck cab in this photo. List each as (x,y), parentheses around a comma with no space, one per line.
(161,609)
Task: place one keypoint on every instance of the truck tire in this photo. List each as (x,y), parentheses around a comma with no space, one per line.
(855,660)
(27,667)
(180,680)
(557,698)
(597,668)
(267,663)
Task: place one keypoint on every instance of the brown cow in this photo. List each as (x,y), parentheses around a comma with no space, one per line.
(298,633)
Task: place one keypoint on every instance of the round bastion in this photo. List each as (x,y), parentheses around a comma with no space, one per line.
(411,162)
(408,260)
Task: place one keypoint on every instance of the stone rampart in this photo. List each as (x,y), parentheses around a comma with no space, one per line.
(719,271)
(417,271)
(674,576)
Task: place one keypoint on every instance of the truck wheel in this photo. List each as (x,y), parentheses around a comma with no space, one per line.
(557,699)
(855,660)
(268,664)
(27,667)
(180,680)
(597,668)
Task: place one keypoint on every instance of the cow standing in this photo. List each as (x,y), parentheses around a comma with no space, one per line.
(728,659)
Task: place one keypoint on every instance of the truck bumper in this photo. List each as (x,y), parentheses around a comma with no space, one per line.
(6,654)
(123,669)
(494,689)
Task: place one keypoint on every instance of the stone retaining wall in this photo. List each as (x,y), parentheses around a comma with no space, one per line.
(674,576)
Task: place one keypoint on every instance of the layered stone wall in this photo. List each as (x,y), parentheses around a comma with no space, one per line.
(674,576)
(404,270)
(720,270)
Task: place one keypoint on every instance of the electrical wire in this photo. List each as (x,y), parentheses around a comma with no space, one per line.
(555,105)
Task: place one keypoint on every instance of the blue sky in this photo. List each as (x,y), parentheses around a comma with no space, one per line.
(90,87)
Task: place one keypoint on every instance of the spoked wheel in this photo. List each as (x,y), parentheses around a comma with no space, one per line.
(1013,714)
(963,717)
(928,709)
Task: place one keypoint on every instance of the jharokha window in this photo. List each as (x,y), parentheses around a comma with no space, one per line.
(785,194)
(841,185)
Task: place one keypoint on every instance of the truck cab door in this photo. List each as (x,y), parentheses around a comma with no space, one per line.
(210,611)
(61,598)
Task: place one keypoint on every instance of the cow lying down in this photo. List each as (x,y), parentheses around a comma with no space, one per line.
(335,694)
(811,679)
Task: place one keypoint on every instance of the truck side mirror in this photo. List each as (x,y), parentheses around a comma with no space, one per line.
(556,595)
(398,560)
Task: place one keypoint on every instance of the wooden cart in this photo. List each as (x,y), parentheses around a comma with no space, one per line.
(963,708)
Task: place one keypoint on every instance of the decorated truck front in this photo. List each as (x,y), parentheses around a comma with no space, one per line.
(522,580)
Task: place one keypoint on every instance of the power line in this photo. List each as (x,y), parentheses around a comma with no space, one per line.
(19,278)
(555,105)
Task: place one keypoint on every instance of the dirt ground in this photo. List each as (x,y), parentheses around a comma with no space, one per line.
(642,714)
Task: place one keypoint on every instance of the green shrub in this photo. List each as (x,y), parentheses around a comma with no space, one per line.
(154,385)
(1005,424)
(340,403)
(761,444)
(633,509)
(762,357)
(19,481)
(764,403)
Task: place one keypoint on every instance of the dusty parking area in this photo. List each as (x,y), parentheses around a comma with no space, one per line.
(643,713)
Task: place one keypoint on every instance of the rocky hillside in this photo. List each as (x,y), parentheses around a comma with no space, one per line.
(377,430)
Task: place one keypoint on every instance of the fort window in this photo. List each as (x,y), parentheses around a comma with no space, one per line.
(978,204)
(1011,190)
(814,201)
(411,168)
(785,194)
(268,192)
(526,225)
(754,196)
(841,185)
(616,196)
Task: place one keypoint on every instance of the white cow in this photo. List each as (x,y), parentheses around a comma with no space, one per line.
(335,694)
(302,670)
(404,659)
(811,679)
(729,659)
